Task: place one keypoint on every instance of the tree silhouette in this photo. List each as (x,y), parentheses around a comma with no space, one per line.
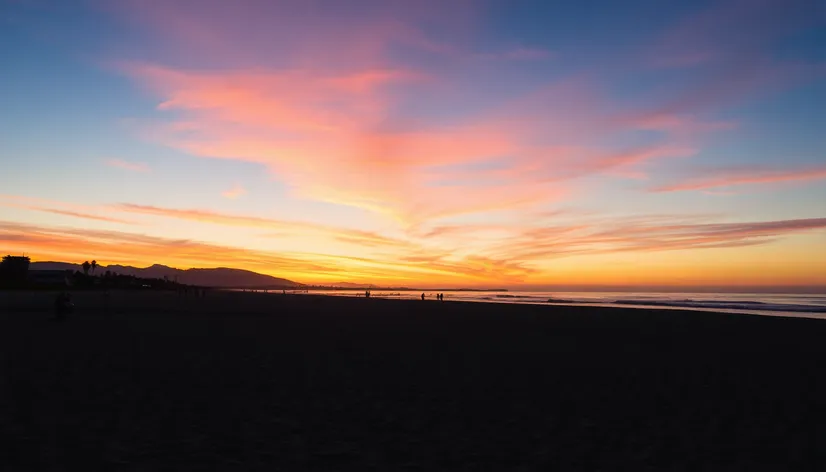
(14,268)
(94,266)
(86,266)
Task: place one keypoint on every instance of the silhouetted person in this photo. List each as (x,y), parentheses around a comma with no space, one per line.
(367,293)
(422,295)
(63,305)
(106,297)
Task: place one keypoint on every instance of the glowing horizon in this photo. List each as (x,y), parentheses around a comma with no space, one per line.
(413,143)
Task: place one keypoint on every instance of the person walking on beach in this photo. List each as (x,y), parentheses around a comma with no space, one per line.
(63,305)
(422,295)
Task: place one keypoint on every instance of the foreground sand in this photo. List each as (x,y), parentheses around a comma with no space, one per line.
(267,382)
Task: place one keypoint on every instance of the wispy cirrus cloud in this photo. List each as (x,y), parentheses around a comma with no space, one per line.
(272,225)
(724,178)
(339,129)
(76,214)
(234,192)
(64,243)
(126,165)
(473,253)
(527,244)
(642,235)
(330,140)
(86,212)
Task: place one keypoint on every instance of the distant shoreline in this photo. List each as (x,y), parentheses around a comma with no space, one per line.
(96,298)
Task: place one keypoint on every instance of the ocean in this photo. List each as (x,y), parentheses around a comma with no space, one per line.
(797,305)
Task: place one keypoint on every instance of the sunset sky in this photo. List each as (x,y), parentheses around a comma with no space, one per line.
(428,143)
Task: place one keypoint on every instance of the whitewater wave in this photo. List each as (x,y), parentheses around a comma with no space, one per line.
(726,304)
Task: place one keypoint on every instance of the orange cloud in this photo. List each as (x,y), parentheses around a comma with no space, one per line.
(637,234)
(354,236)
(459,254)
(110,247)
(131,166)
(731,178)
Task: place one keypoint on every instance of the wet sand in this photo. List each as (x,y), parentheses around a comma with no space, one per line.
(243,381)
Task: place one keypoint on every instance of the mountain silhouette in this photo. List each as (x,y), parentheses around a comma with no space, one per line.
(219,277)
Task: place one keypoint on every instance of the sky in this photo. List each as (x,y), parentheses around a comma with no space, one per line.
(464,143)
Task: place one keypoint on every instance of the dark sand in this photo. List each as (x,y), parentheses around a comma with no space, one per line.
(269,382)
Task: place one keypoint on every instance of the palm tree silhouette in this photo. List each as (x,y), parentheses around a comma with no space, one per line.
(94,266)
(86,267)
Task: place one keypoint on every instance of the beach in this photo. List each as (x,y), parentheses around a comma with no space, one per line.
(254,381)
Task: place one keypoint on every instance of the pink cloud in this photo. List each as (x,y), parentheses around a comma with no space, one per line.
(328,117)
(130,166)
(323,134)
(753,176)
(234,192)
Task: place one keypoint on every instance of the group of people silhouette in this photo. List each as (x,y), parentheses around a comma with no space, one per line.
(439,296)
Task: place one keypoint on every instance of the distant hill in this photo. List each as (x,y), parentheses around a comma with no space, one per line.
(219,277)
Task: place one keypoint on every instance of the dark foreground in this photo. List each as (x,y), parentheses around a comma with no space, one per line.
(264,382)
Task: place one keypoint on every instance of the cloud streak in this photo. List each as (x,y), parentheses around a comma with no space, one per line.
(725,178)
(630,235)
(235,192)
(126,165)
(60,208)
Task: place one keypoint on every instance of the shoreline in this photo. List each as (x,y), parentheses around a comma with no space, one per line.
(96,300)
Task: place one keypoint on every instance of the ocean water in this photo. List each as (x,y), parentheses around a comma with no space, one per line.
(798,305)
